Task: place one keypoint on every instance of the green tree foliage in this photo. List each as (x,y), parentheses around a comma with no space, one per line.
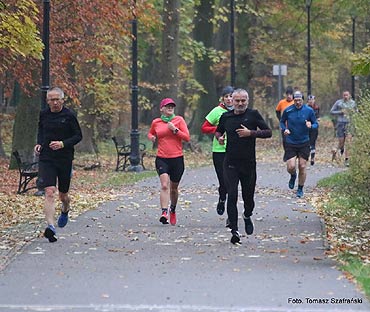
(361,62)
(91,51)
(279,36)
(19,36)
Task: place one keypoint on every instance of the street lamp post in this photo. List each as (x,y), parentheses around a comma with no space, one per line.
(134,135)
(308,7)
(232,44)
(46,52)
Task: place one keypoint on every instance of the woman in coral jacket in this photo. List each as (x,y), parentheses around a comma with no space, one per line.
(169,131)
(218,150)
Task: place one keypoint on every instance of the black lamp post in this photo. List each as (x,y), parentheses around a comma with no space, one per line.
(232,44)
(46,52)
(353,51)
(308,7)
(134,135)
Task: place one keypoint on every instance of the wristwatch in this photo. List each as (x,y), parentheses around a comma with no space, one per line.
(176,130)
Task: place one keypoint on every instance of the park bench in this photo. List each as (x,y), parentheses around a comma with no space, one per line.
(123,154)
(27,172)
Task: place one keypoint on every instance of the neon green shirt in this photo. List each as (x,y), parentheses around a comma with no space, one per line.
(213,118)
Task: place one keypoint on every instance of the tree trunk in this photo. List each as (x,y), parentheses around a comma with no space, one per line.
(244,61)
(203,32)
(222,43)
(222,35)
(149,75)
(87,122)
(170,42)
(2,152)
(25,127)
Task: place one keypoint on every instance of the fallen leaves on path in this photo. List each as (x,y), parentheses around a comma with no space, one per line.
(22,218)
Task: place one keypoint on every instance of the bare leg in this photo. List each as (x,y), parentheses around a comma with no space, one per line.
(174,193)
(65,201)
(346,150)
(291,165)
(302,171)
(341,142)
(164,196)
(49,205)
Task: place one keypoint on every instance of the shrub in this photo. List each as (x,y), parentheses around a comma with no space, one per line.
(359,173)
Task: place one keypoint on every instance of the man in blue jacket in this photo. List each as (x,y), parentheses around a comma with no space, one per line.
(295,123)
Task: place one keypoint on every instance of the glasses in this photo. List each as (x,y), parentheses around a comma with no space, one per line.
(54,100)
(240,100)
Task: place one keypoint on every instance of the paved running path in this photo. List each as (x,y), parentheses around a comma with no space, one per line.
(120,258)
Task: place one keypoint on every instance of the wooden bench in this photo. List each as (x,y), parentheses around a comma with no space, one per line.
(27,172)
(124,152)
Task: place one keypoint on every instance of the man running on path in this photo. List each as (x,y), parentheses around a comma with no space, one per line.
(295,124)
(240,126)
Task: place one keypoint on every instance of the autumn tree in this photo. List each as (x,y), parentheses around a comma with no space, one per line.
(19,43)
(203,34)
(89,59)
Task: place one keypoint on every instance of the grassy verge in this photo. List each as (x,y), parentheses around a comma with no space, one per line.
(348,229)
(358,270)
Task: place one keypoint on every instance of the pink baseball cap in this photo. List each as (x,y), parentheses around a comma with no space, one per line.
(167,101)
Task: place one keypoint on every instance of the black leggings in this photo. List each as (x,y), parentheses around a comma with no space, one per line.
(218,163)
(245,172)
(313,137)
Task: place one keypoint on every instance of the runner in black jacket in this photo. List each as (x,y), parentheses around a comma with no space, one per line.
(58,133)
(242,126)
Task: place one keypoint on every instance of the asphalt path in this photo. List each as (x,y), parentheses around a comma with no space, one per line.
(119,257)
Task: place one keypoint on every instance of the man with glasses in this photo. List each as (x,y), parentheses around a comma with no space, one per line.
(295,123)
(58,133)
(242,126)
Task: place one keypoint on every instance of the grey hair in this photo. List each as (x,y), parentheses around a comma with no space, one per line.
(58,90)
(241,91)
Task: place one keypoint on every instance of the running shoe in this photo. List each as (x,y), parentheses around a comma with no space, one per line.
(50,233)
(249,227)
(221,207)
(300,193)
(312,161)
(63,219)
(173,217)
(235,238)
(292,180)
(164,218)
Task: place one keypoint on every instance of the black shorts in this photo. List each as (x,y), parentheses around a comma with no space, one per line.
(297,150)
(50,171)
(174,167)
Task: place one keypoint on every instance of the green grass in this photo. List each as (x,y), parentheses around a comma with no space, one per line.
(117,179)
(337,180)
(358,270)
